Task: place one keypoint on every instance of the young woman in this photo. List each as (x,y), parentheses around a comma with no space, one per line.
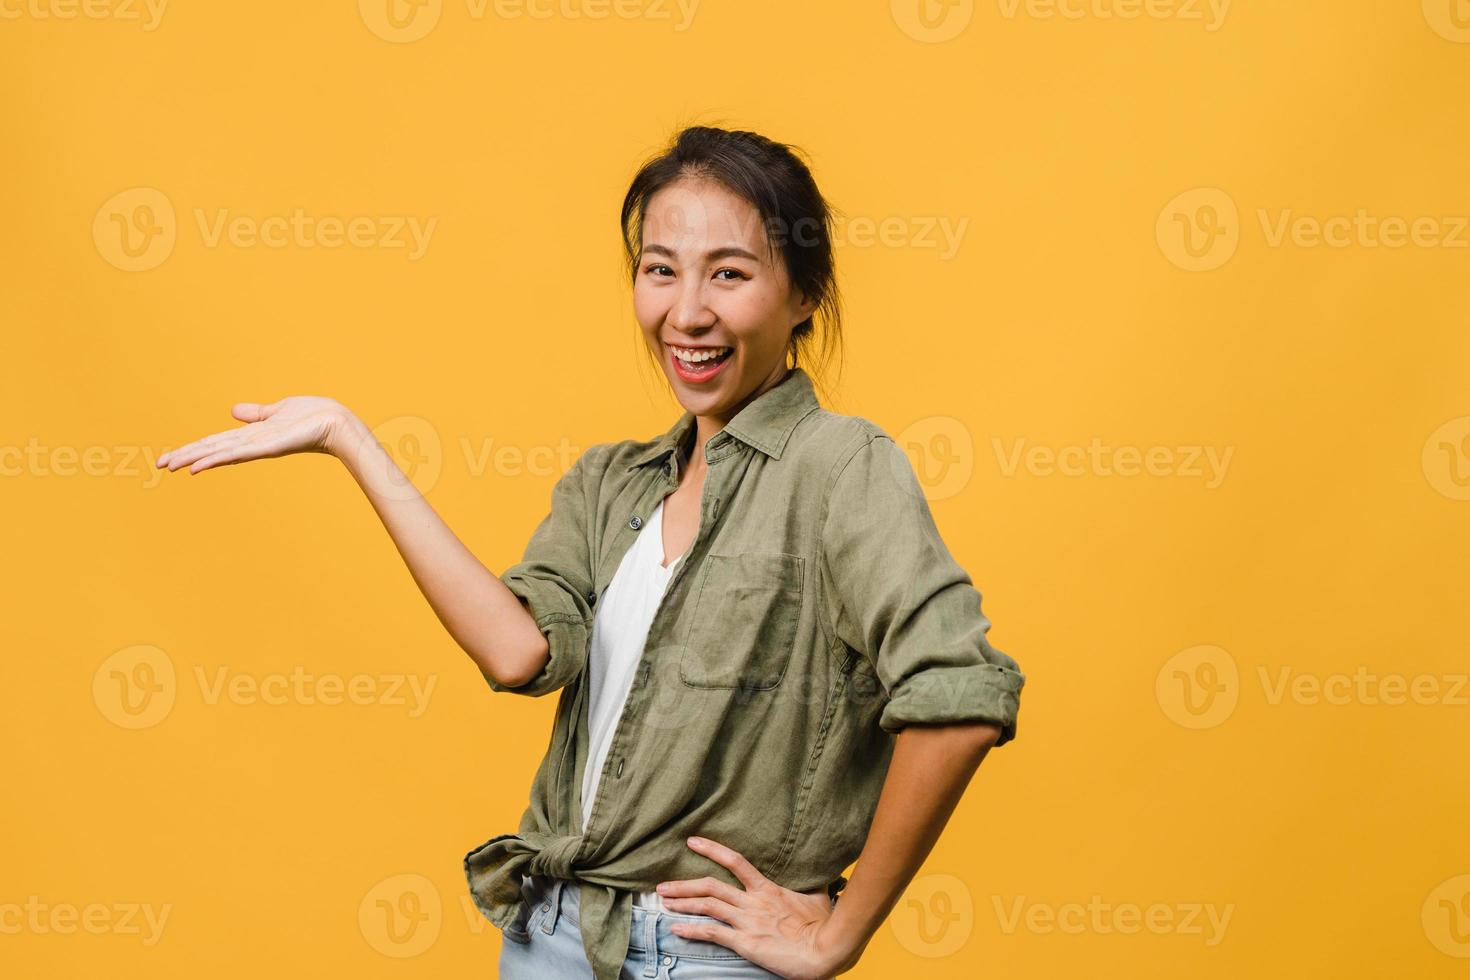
(769,664)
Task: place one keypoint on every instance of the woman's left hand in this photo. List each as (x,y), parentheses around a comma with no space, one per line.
(784,931)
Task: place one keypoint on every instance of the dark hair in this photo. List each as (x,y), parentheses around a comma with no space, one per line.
(796,218)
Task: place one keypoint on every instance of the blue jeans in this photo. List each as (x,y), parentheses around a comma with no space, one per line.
(547,945)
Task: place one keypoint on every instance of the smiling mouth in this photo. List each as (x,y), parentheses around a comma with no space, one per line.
(698,363)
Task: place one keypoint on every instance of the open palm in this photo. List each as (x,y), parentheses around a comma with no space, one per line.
(299,424)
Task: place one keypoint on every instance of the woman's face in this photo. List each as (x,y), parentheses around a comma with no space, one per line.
(707,284)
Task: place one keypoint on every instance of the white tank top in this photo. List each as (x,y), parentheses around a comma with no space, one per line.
(619,631)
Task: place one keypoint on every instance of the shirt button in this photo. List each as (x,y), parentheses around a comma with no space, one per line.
(591,598)
(635,522)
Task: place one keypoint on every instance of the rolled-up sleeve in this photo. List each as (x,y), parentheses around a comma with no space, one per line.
(553,579)
(899,598)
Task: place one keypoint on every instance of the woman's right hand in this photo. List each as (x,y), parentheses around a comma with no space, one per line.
(300,424)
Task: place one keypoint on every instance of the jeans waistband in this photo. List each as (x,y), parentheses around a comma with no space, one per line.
(651,937)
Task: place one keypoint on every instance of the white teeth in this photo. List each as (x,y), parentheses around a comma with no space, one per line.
(690,356)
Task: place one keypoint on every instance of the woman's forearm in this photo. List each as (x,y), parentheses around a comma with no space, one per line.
(930,768)
(485,617)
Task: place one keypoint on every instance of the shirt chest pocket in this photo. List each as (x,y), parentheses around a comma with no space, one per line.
(746,611)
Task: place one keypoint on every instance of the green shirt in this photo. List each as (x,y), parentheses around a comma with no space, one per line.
(816,613)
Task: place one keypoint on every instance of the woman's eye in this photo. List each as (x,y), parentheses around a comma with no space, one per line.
(661,270)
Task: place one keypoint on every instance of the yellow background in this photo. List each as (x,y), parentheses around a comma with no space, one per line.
(1077,149)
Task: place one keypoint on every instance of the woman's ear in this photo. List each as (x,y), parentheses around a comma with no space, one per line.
(805,309)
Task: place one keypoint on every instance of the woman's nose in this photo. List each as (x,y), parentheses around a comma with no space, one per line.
(689,310)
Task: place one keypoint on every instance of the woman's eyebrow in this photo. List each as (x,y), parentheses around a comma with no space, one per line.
(714,255)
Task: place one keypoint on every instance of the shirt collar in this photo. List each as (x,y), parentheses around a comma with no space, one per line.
(763,424)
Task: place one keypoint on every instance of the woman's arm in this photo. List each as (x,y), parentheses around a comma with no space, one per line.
(483,615)
(798,934)
(930,768)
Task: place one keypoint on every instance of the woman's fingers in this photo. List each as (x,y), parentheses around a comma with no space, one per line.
(244,411)
(254,411)
(708,905)
(701,887)
(732,859)
(253,446)
(712,932)
(189,447)
(187,454)
(215,459)
(230,454)
(175,458)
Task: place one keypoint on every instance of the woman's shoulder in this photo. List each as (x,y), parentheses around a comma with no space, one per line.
(828,440)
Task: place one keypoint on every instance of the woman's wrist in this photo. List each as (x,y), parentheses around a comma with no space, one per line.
(844,943)
(368,461)
(351,441)
(346,434)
